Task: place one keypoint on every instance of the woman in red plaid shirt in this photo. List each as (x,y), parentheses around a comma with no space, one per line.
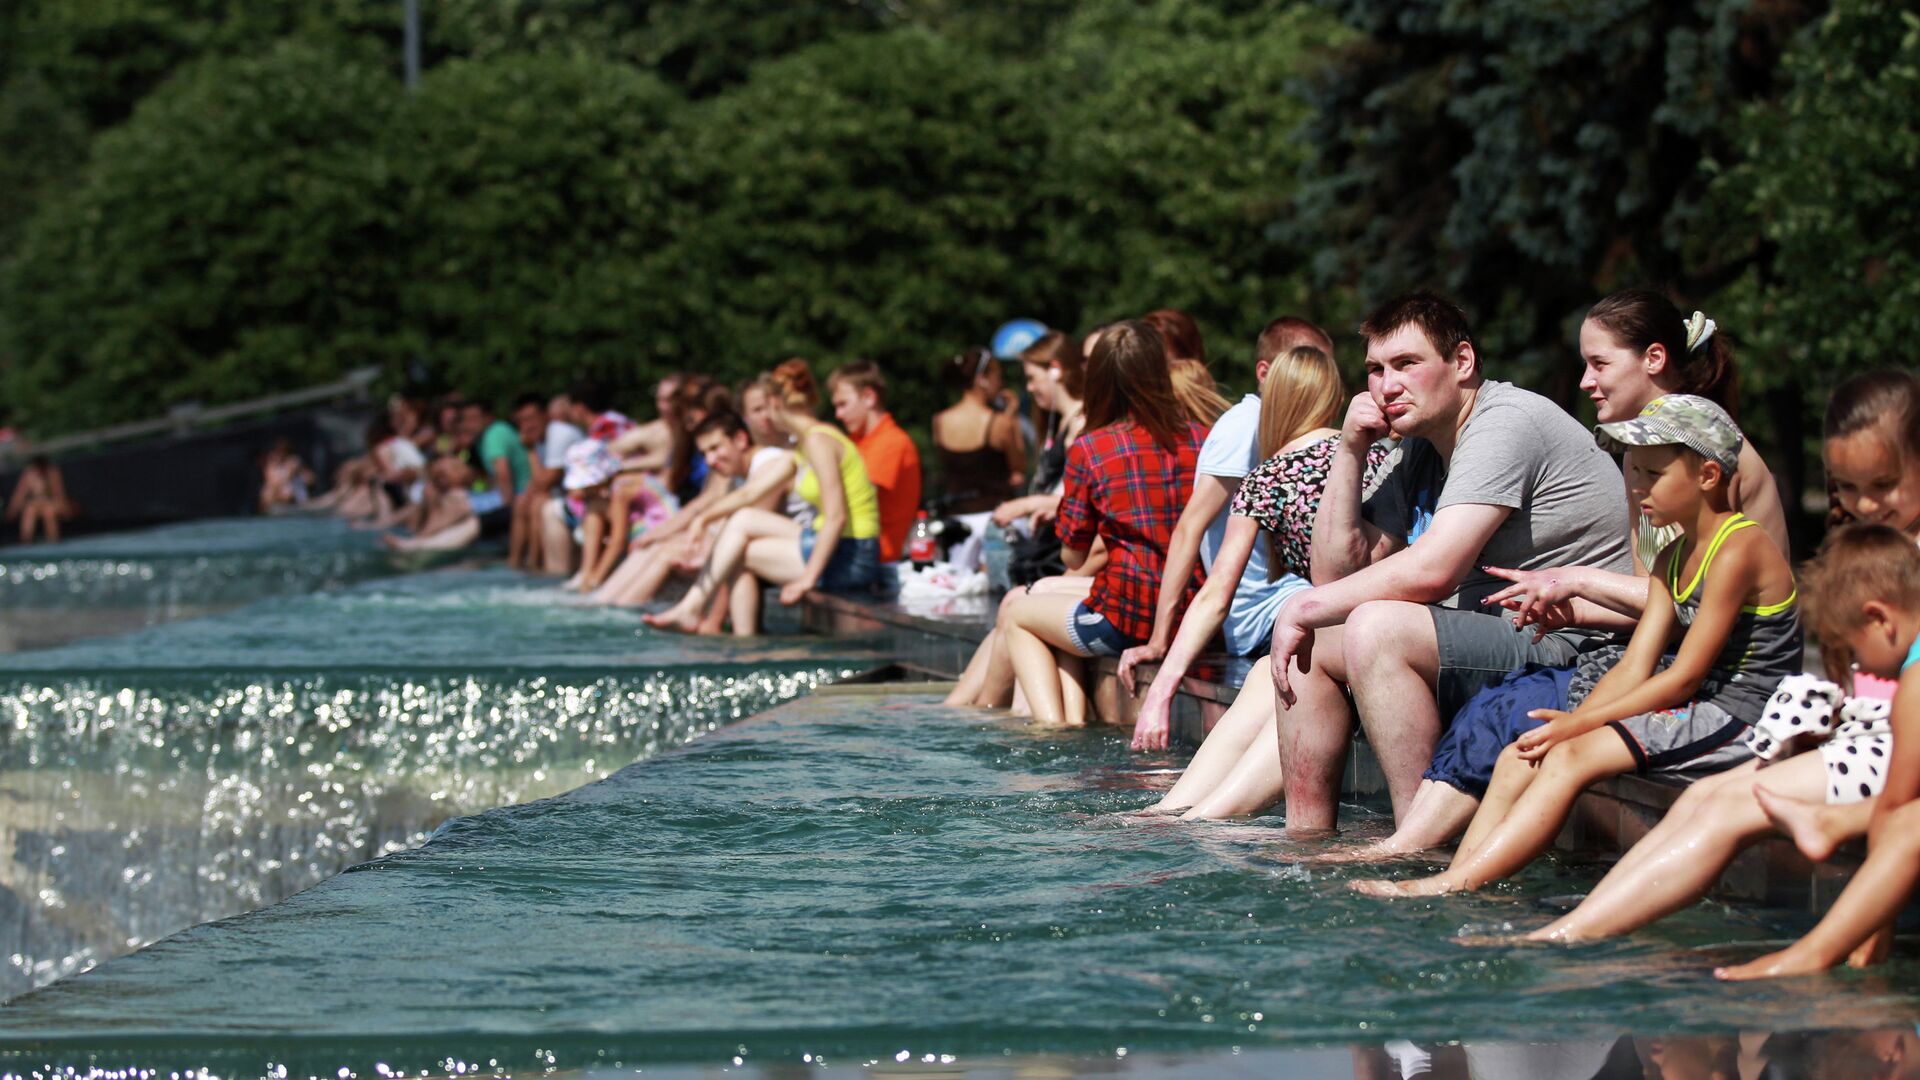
(1127,479)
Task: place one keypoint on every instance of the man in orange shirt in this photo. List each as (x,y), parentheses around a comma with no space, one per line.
(893,462)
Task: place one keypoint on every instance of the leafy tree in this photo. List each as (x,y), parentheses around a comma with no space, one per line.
(859,198)
(1527,157)
(231,239)
(532,207)
(1171,160)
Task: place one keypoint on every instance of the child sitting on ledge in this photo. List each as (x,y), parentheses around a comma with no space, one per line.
(1867,611)
(1742,635)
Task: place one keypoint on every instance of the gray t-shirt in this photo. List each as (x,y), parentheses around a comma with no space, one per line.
(1521,451)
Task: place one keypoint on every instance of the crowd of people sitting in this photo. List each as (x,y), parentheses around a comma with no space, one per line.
(1511,606)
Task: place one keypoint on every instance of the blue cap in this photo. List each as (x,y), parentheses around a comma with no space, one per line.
(1013,338)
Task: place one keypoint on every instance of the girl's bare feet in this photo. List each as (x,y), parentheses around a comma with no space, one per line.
(1438,885)
(1790,961)
(679,619)
(1800,820)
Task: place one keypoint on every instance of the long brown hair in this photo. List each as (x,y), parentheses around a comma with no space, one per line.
(1180,332)
(1641,318)
(1128,379)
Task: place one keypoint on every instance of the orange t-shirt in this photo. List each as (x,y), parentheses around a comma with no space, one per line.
(893,464)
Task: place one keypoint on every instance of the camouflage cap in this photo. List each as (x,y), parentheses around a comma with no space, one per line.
(1685,420)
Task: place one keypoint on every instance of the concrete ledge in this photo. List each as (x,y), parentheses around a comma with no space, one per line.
(936,640)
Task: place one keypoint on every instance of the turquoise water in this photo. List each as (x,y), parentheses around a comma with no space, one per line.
(854,876)
(203,768)
(51,594)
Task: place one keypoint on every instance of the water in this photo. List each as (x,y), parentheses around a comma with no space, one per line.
(200,769)
(51,594)
(856,876)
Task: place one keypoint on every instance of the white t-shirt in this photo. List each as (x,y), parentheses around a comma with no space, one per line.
(400,454)
(560,436)
(1231,451)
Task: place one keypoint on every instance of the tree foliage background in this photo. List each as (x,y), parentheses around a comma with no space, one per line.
(209,199)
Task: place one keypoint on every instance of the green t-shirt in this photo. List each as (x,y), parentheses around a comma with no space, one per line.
(500,440)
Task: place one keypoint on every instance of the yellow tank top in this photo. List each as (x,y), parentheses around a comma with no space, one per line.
(863,507)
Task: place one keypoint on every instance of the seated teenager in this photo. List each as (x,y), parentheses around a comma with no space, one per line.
(546,434)
(1635,346)
(1242,606)
(1055,369)
(656,463)
(1237,769)
(284,478)
(1485,473)
(982,457)
(827,471)
(39,503)
(1822,798)
(859,395)
(1864,606)
(443,519)
(501,463)
(1124,485)
(1724,587)
(726,445)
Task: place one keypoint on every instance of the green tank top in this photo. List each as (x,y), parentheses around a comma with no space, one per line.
(1764,647)
(863,506)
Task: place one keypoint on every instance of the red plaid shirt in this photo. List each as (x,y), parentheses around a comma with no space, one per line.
(1122,487)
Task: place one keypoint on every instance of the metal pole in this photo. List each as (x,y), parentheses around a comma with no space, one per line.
(413,43)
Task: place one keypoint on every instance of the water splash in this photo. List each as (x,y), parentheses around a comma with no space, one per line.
(130,812)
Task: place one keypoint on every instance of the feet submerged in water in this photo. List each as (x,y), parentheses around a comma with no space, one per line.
(1438,885)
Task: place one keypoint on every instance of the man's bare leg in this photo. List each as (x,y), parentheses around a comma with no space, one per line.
(1393,663)
(1314,736)
(556,539)
(1439,813)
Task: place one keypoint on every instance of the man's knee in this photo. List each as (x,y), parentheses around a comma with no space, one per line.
(1384,634)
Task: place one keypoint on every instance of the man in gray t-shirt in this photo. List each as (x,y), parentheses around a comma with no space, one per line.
(1485,474)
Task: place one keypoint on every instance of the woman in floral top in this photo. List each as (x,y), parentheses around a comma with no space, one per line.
(1237,769)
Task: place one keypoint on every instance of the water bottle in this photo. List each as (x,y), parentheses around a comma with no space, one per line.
(920,543)
(997,552)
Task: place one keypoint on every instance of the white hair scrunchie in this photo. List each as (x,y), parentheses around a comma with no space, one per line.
(1699,330)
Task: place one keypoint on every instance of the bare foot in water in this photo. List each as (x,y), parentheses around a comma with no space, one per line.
(1392,890)
(1799,819)
(1487,941)
(677,619)
(1786,963)
(1378,851)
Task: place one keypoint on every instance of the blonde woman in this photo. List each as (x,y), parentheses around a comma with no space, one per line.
(1237,769)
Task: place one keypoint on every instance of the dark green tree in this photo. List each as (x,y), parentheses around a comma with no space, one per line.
(1171,156)
(533,209)
(234,237)
(1528,157)
(860,198)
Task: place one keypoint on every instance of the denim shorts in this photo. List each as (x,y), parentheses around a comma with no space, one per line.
(1492,719)
(854,567)
(1092,634)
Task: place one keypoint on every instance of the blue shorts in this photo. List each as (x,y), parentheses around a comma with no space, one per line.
(854,567)
(1492,719)
(1092,634)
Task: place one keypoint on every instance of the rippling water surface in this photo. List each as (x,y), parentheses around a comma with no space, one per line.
(856,876)
(203,768)
(55,593)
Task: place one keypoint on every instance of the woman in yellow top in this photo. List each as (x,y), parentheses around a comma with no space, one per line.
(826,471)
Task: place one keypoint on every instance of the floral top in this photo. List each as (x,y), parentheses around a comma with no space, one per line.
(1282,493)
